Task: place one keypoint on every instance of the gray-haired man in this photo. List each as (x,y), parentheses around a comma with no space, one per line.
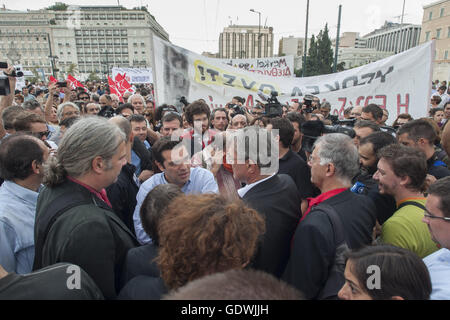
(334,162)
(75,222)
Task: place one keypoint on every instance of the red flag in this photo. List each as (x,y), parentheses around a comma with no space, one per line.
(52,79)
(113,89)
(122,84)
(74,83)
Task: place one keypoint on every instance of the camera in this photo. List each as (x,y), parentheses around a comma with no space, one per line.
(307,101)
(4,86)
(184,101)
(315,128)
(61,84)
(340,129)
(236,109)
(273,107)
(17,72)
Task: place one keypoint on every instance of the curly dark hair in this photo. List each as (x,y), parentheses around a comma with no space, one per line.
(195,108)
(204,234)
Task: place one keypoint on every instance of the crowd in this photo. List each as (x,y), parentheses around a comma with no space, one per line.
(107,197)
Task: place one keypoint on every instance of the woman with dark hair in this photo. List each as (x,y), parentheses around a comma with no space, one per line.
(199,235)
(401,120)
(385,273)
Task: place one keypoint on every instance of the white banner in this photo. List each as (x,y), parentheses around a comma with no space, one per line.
(134,75)
(400,83)
(274,67)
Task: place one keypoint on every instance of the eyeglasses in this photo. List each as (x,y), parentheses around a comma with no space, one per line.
(428,215)
(39,135)
(84,98)
(70,113)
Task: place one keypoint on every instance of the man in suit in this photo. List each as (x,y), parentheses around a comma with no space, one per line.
(75,222)
(274,196)
(334,162)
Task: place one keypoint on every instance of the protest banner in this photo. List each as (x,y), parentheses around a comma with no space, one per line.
(134,75)
(400,83)
(274,66)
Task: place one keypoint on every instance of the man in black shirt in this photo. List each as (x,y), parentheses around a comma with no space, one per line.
(420,135)
(122,194)
(296,145)
(291,163)
(61,281)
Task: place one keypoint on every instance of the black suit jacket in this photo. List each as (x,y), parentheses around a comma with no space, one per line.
(122,195)
(277,200)
(313,248)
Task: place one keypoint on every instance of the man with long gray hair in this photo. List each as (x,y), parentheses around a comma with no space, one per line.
(336,213)
(74,219)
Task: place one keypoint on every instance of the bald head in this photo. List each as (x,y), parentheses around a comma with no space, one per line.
(239,121)
(356,112)
(123,124)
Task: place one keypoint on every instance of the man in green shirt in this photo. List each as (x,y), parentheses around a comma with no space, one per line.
(401,173)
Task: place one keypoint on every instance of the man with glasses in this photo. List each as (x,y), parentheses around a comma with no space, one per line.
(401,172)
(83,96)
(437,218)
(34,125)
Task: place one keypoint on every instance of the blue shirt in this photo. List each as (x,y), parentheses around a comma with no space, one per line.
(17,214)
(438,264)
(200,181)
(136,161)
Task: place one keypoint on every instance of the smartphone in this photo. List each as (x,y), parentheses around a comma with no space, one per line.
(61,84)
(3,65)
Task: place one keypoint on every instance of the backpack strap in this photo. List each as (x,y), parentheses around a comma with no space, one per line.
(439,163)
(56,208)
(336,278)
(411,203)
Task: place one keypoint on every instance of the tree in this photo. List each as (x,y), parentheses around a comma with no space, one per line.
(93,77)
(72,69)
(312,59)
(58,6)
(325,53)
(340,67)
(320,54)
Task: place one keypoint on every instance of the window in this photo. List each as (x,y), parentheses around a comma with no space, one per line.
(442,13)
(141,16)
(93,33)
(431,15)
(446,55)
(124,32)
(110,17)
(438,33)
(109,33)
(102,17)
(125,17)
(117,16)
(132,16)
(448,32)
(427,35)
(101,33)
(116,32)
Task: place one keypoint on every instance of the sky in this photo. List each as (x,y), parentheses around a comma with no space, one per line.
(196,24)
